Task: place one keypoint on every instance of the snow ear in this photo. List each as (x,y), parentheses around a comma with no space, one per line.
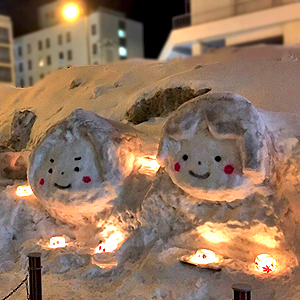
(230,116)
(166,148)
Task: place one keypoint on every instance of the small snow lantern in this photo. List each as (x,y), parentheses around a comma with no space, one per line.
(111,243)
(204,256)
(265,263)
(24,190)
(149,165)
(57,242)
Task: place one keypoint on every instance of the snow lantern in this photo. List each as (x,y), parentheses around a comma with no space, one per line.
(57,242)
(204,256)
(148,165)
(265,263)
(213,143)
(77,167)
(24,191)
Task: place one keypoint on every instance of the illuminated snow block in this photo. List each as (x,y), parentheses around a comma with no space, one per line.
(214,143)
(77,168)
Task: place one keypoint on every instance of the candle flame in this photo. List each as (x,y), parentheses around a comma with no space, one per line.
(24,190)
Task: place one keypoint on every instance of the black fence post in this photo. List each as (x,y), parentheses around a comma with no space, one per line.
(35,276)
(242,291)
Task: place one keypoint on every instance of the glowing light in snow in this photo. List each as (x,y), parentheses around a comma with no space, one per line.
(57,242)
(148,165)
(203,257)
(111,243)
(265,263)
(24,190)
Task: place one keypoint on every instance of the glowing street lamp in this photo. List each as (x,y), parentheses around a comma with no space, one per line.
(71,11)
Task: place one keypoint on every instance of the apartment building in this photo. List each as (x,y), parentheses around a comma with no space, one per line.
(7,74)
(213,24)
(99,37)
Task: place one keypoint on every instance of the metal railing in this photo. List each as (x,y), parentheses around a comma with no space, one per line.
(236,9)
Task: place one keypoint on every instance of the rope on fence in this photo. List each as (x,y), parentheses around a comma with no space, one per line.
(25,280)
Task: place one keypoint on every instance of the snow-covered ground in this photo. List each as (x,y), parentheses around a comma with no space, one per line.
(152,222)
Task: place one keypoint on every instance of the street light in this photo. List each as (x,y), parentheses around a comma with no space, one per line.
(71,11)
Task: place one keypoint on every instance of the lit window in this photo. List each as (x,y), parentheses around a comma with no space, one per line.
(121,33)
(41,62)
(122,51)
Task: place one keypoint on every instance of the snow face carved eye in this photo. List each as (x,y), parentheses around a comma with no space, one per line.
(69,167)
(205,162)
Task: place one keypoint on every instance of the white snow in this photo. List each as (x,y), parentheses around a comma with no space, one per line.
(154,221)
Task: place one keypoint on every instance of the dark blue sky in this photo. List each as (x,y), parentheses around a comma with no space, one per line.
(155,14)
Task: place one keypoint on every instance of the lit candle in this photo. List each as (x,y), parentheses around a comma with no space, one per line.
(265,263)
(57,242)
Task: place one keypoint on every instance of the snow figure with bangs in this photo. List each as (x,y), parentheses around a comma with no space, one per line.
(77,168)
(215,146)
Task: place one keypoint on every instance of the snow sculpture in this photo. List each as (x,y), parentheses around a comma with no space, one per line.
(77,168)
(215,144)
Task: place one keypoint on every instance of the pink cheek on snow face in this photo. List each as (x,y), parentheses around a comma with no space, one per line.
(42,181)
(228,169)
(177,167)
(86,179)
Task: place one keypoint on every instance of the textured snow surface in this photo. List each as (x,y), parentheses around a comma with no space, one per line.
(151,221)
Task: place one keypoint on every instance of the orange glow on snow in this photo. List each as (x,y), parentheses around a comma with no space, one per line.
(265,263)
(148,165)
(57,242)
(204,257)
(24,190)
(111,243)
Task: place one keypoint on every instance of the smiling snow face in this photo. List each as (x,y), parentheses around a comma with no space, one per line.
(67,167)
(205,162)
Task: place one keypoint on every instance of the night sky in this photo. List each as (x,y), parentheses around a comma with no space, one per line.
(156,15)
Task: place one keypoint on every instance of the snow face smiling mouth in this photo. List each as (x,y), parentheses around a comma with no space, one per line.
(204,176)
(62,187)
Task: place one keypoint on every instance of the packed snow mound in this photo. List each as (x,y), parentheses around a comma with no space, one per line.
(130,247)
(78,168)
(211,143)
(120,89)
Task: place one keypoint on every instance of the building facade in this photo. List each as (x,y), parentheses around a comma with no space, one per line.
(233,23)
(7,74)
(100,37)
